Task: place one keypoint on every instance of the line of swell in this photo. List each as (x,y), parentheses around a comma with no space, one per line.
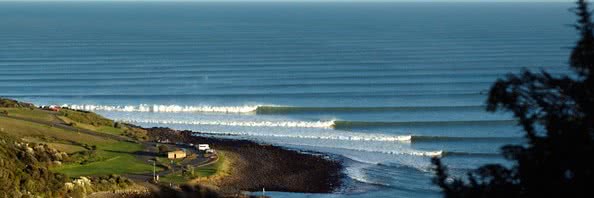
(464,139)
(403,138)
(285,109)
(439,153)
(259,109)
(370,137)
(317,124)
(66,84)
(469,154)
(358,124)
(290,124)
(341,94)
(165,108)
(345,137)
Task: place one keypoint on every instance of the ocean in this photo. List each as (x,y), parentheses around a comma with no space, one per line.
(382,86)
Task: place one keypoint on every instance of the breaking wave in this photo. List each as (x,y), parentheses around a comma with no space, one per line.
(289,109)
(438,153)
(259,109)
(329,124)
(342,136)
(363,124)
(292,124)
(165,108)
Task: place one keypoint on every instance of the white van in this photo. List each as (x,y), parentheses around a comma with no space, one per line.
(203,147)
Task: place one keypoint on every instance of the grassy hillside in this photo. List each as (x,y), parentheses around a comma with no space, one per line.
(33,113)
(98,154)
(4,102)
(94,146)
(114,158)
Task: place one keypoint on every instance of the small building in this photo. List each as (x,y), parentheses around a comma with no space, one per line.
(176,154)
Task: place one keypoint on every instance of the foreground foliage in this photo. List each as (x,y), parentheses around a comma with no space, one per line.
(557,116)
(24,169)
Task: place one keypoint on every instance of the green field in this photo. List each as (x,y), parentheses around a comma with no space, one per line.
(93,154)
(30,113)
(116,158)
(220,166)
(23,129)
(99,128)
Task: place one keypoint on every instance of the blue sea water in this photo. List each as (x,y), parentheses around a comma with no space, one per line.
(385,86)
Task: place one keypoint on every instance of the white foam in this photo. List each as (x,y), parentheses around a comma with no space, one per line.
(379,147)
(289,124)
(375,145)
(356,172)
(428,153)
(165,108)
(343,136)
(402,152)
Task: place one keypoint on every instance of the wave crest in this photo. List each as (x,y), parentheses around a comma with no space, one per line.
(293,124)
(438,153)
(259,109)
(348,137)
(165,108)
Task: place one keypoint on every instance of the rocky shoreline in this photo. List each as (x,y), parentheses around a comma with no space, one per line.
(257,166)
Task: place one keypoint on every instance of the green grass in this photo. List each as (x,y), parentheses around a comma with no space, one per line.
(22,129)
(68,148)
(103,129)
(110,157)
(115,158)
(163,159)
(86,118)
(175,178)
(110,130)
(212,169)
(36,114)
(56,144)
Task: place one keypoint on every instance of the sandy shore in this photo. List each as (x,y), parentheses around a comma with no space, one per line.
(255,166)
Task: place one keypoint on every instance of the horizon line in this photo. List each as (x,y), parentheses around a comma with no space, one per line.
(310,1)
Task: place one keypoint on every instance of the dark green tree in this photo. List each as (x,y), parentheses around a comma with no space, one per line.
(557,116)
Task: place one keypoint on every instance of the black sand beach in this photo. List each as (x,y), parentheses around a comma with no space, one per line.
(257,166)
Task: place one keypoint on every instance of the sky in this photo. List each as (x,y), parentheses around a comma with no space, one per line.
(324,0)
